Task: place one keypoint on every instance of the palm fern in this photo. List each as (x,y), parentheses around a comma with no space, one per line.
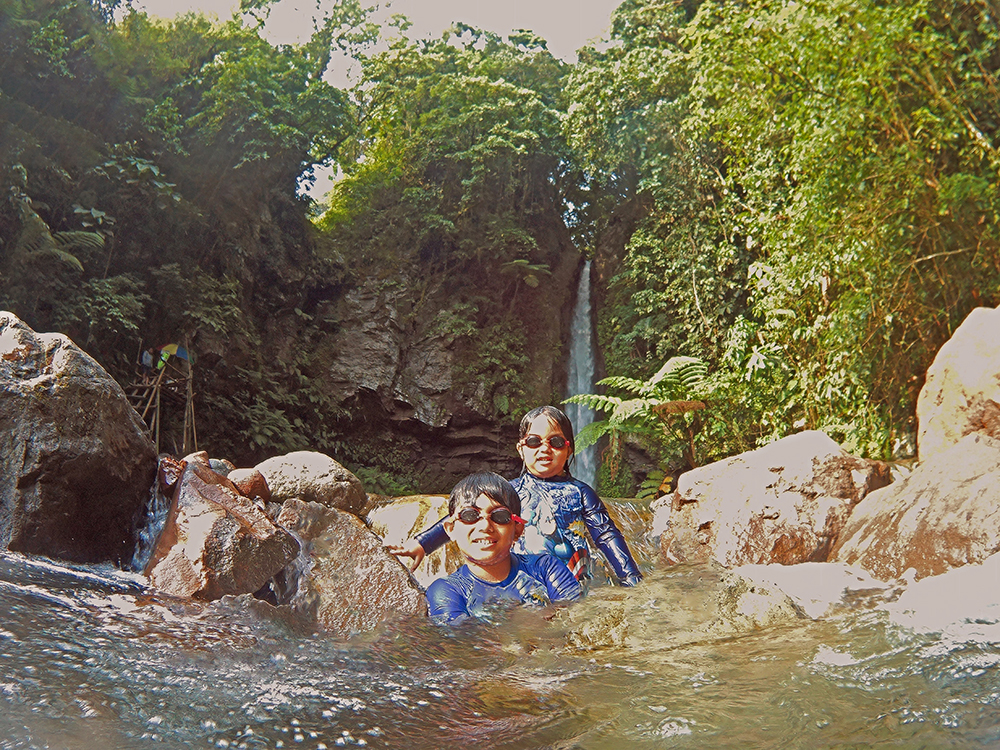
(649,408)
(36,240)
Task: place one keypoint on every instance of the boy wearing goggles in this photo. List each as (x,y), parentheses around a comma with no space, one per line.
(483,522)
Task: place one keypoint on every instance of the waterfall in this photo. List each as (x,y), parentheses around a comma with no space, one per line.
(581,375)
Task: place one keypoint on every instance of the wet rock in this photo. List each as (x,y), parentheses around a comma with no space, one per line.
(747,604)
(961,393)
(313,478)
(251,483)
(401,518)
(343,578)
(784,503)
(944,514)
(221,466)
(687,605)
(963,604)
(200,457)
(816,589)
(168,472)
(76,464)
(216,542)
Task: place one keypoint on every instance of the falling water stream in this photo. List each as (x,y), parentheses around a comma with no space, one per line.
(580,377)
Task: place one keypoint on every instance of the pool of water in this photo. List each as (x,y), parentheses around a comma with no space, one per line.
(90,658)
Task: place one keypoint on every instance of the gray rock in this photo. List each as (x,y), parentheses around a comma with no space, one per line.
(784,503)
(961,393)
(216,542)
(314,478)
(375,351)
(76,464)
(344,579)
(945,514)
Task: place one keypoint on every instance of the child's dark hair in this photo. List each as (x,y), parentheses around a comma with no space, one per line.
(556,416)
(494,486)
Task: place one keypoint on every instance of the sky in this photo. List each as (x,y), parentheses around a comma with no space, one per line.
(566,25)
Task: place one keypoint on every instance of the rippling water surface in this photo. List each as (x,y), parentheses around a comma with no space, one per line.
(89,658)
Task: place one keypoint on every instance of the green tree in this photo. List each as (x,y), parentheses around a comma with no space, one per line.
(681,281)
(453,173)
(861,137)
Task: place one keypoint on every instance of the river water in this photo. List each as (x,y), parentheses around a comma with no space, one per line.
(90,658)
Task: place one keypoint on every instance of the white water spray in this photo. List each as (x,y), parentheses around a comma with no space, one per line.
(581,375)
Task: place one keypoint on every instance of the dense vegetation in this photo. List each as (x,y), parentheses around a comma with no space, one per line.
(820,203)
(800,195)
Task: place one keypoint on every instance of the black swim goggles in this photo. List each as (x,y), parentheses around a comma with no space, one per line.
(555,442)
(499,516)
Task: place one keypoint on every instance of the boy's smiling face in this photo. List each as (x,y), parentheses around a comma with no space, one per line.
(484,543)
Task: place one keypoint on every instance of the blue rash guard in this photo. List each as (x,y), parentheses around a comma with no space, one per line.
(533,579)
(558,512)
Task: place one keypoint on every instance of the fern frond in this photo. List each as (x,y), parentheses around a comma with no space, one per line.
(631,385)
(591,434)
(35,235)
(677,376)
(79,239)
(595,401)
(627,409)
(67,258)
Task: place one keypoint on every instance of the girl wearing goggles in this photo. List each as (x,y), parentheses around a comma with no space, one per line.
(556,507)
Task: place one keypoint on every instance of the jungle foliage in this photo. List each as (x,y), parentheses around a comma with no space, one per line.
(149,173)
(821,181)
(453,172)
(812,186)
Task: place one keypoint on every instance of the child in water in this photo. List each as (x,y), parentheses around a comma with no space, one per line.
(557,508)
(482,520)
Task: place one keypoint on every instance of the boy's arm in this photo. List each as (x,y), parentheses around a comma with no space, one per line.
(559,579)
(446,603)
(422,544)
(434,538)
(609,538)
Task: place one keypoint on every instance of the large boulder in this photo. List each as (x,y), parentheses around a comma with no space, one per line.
(401,518)
(961,393)
(962,605)
(784,503)
(314,478)
(944,514)
(216,541)
(817,589)
(76,463)
(344,579)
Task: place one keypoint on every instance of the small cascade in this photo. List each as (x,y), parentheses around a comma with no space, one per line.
(148,530)
(581,375)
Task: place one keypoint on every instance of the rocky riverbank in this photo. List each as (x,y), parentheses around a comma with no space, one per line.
(81,479)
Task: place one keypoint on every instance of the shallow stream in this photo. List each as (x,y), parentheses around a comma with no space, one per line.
(90,658)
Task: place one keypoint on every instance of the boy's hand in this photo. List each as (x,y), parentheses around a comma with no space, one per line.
(410,548)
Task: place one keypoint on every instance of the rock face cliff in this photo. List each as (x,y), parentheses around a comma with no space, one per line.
(415,385)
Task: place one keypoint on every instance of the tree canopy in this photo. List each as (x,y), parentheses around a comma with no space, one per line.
(800,195)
